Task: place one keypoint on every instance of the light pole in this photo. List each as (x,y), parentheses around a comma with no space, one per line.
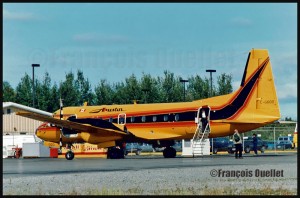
(33,91)
(211,71)
(183,81)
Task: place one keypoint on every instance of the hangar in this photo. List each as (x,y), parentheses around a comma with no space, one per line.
(18,130)
(17,125)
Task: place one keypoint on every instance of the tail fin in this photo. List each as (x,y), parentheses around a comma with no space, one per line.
(258,79)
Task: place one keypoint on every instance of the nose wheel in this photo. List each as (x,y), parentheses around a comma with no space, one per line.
(69,154)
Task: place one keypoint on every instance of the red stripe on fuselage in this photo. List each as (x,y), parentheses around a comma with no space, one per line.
(239,91)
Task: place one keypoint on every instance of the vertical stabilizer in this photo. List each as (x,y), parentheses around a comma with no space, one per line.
(263,101)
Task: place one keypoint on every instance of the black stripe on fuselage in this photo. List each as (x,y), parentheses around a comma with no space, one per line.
(224,113)
(230,109)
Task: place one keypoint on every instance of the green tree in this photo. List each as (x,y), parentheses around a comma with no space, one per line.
(288,119)
(132,89)
(43,91)
(119,94)
(9,93)
(69,91)
(171,89)
(54,98)
(84,89)
(224,84)
(104,93)
(24,91)
(198,88)
(150,89)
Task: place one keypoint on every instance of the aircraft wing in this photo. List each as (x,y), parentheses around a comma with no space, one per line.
(108,128)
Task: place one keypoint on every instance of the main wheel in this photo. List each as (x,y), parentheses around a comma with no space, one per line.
(169,152)
(263,148)
(115,153)
(247,150)
(69,155)
(215,150)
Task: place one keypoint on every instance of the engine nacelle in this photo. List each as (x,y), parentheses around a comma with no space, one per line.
(48,132)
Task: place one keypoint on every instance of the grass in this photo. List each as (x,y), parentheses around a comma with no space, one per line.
(267,190)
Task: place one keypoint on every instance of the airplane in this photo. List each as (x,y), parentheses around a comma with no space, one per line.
(252,105)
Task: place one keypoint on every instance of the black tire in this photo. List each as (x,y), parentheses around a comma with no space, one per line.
(69,155)
(169,152)
(215,150)
(138,152)
(247,150)
(115,153)
(262,149)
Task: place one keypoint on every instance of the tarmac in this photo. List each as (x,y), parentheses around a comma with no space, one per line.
(179,154)
(56,176)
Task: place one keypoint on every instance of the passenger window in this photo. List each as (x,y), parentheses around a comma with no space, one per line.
(121,120)
(132,119)
(110,119)
(176,117)
(154,118)
(143,118)
(166,118)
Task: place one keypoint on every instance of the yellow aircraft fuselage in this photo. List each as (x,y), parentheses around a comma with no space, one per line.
(253,105)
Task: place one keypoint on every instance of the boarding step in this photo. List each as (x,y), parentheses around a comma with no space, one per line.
(201,147)
(199,135)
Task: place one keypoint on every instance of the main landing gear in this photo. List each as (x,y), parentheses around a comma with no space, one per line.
(115,152)
(69,154)
(169,152)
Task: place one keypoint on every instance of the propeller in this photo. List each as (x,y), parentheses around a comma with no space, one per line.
(61,118)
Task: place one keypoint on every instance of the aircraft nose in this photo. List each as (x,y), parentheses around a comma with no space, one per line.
(39,131)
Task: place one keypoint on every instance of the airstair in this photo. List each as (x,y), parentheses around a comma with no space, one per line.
(200,138)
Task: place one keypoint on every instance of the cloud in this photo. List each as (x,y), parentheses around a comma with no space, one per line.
(95,37)
(287,91)
(236,85)
(242,22)
(18,16)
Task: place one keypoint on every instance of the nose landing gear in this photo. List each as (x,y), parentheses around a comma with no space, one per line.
(69,154)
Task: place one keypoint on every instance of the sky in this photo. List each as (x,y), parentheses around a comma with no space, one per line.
(114,40)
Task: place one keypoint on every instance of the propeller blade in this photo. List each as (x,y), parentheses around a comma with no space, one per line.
(61,117)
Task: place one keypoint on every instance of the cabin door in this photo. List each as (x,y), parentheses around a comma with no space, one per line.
(122,118)
(203,117)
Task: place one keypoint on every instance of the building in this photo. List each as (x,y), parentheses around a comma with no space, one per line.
(18,125)
(18,130)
